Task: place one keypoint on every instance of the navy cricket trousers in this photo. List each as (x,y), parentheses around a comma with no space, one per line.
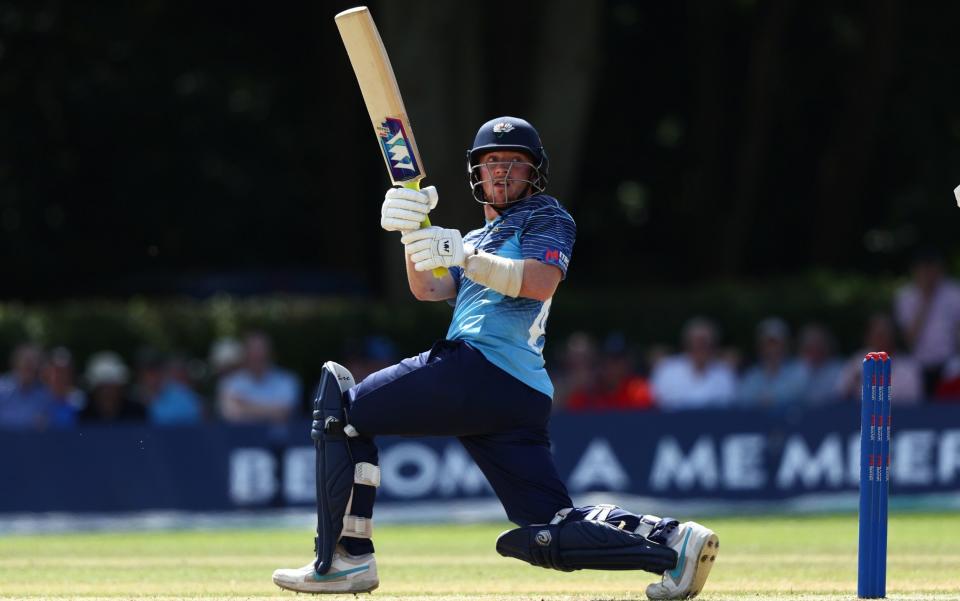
(452,390)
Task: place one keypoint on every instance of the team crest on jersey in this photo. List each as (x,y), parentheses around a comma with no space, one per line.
(502,128)
(397,150)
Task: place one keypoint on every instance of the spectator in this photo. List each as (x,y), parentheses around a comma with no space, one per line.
(259,391)
(928,313)
(185,371)
(107,378)
(948,389)
(66,399)
(906,376)
(226,357)
(616,386)
(168,402)
(695,378)
(578,362)
(24,399)
(821,369)
(775,380)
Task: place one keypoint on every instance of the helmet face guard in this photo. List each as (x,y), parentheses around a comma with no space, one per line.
(536,183)
(501,134)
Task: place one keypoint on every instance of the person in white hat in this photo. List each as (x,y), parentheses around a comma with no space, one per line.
(107,377)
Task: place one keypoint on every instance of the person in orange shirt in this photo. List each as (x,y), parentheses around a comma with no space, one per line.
(616,384)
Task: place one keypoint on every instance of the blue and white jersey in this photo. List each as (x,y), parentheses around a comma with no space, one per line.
(510,332)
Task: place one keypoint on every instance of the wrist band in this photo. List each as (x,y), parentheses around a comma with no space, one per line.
(497,273)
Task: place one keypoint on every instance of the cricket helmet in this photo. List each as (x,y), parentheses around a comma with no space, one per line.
(508,133)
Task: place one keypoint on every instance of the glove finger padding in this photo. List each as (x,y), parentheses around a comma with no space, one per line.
(421,256)
(421,234)
(431,192)
(399,204)
(402,214)
(392,224)
(416,247)
(427,197)
(434,247)
(404,209)
(429,264)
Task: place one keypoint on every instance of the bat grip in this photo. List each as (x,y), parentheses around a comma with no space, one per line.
(438,272)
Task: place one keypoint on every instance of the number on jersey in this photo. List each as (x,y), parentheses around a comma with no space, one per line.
(538,329)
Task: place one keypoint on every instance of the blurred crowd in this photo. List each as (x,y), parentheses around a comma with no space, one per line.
(921,332)
(239,381)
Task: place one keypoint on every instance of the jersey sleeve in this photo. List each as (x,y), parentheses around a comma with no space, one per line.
(548,237)
(457,274)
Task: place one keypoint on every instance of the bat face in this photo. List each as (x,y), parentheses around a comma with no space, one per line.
(381,95)
(398,151)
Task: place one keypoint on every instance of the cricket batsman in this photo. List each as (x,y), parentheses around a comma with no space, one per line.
(485,384)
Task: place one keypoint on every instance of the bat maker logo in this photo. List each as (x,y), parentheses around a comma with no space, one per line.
(398,150)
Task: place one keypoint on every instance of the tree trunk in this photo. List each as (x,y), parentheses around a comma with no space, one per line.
(564,82)
(758,109)
(844,166)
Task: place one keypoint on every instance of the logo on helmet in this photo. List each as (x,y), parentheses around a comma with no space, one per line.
(502,128)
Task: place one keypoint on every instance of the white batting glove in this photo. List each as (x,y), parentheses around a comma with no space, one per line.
(434,247)
(405,209)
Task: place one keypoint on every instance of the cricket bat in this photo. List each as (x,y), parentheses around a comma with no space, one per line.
(381,94)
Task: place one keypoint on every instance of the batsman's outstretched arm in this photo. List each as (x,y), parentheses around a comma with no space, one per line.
(426,287)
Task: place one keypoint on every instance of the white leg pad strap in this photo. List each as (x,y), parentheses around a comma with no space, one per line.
(367,474)
(647,523)
(561,515)
(600,513)
(357,527)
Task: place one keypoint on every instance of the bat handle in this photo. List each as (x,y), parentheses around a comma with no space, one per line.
(439,272)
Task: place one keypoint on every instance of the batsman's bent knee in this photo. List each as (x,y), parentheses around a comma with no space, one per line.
(585,544)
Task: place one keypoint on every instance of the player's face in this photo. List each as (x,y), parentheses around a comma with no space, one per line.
(505,176)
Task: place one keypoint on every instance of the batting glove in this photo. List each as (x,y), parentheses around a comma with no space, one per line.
(405,209)
(434,247)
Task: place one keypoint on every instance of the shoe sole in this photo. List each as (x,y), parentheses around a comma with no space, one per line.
(705,560)
(334,588)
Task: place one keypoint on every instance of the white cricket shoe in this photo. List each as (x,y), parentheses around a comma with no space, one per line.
(696,549)
(348,574)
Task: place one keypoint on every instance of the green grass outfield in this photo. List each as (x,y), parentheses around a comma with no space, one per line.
(761,558)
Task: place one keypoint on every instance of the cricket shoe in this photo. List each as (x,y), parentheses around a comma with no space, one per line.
(347,574)
(696,549)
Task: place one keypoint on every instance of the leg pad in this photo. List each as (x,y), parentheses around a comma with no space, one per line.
(585,544)
(335,467)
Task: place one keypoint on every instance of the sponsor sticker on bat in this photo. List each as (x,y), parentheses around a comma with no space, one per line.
(398,150)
